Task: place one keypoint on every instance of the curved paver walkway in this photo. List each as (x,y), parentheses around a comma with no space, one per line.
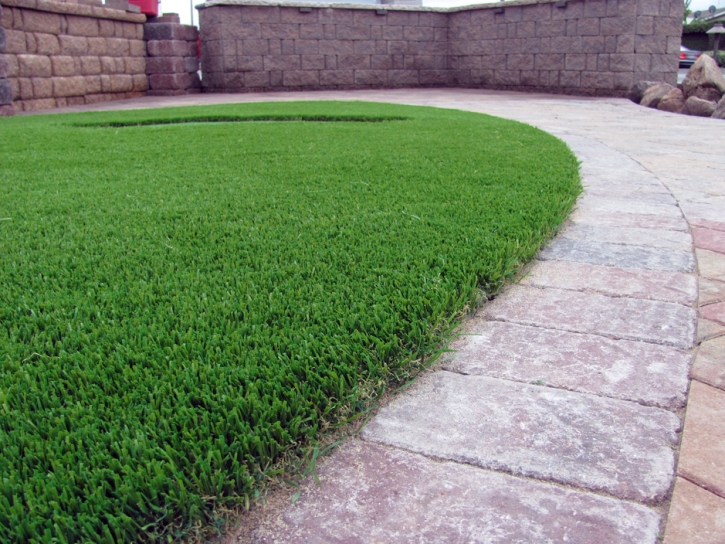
(558,418)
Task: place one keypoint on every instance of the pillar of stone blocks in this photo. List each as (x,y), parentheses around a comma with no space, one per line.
(6,90)
(172,61)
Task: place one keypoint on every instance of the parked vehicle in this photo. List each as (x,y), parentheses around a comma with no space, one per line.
(688,56)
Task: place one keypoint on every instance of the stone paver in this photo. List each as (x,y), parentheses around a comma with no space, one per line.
(600,204)
(713,240)
(629,236)
(703,441)
(664,286)
(710,264)
(645,373)
(709,364)
(708,329)
(705,224)
(374,494)
(624,256)
(696,516)
(711,291)
(634,220)
(714,312)
(629,319)
(590,442)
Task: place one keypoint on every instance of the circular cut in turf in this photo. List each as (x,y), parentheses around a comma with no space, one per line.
(187,299)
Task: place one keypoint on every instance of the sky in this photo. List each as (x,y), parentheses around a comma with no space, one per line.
(183,7)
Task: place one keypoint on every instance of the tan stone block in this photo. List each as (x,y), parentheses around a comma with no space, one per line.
(63,65)
(82,26)
(42,87)
(76,100)
(93,84)
(117,47)
(96,98)
(97,46)
(69,86)
(137,48)
(40,104)
(118,29)
(106,28)
(15,41)
(90,65)
(34,66)
(73,45)
(709,365)
(41,21)
(121,83)
(15,88)
(6,17)
(108,65)
(135,65)
(130,30)
(105,83)
(26,88)
(30,45)
(696,516)
(140,82)
(13,67)
(47,44)
(710,263)
(61,102)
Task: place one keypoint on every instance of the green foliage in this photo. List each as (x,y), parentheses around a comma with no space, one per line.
(687,12)
(697,27)
(183,304)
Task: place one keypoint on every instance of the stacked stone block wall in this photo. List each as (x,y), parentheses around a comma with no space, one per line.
(62,54)
(587,47)
(6,90)
(173,62)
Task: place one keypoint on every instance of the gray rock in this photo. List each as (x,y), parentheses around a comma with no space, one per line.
(637,91)
(654,94)
(2,39)
(698,107)
(704,80)
(719,112)
(673,101)
(6,92)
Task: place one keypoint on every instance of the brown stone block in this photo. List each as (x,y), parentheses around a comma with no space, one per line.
(493,62)
(371,77)
(696,515)
(15,42)
(40,104)
(364,47)
(330,62)
(381,62)
(306,47)
(140,82)
(512,46)
(434,77)
(593,44)
(650,44)
(616,26)
(569,79)
(46,44)
(181,81)
(313,62)
(63,65)
(625,44)
(430,48)
(294,15)
(575,61)
(42,87)
(229,64)
(311,32)
(352,32)
(255,47)
(301,78)
(30,44)
(75,101)
(642,63)
(649,7)
(525,29)
(419,33)
(597,80)
(25,86)
(135,65)
(645,25)
(621,62)
(603,62)
(336,47)
(353,62)
(247,63)
(260,14)
(165,48)
(41,21)
(34,66)
(587,27)
(229,48)
(573,10)
(69,86)
(93,84)
(280,30)
(337,77)
(392,32)
(212,64)
(109,65)
(81,26)
(623,80)
(402,78)
(98,47)
(256,79)
(106,28)
(4,67)
(664,64)
(13,67)
(286,62)
(367,17)
(520,62)
(668,26)
(507,77)
(551,61)
(118,29)
(420,62)
(73,45)
(595,8)
(288,47)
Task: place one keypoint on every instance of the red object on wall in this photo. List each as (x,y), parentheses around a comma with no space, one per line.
(148,7)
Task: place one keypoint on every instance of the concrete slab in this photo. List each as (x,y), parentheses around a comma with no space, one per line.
(714,312)
(373,494)
(711,291)
(622,318)
(703,441)
(665,286)
(713,240)
(707,330)
(635,220)
(704,223)
(696,516)
(710,264)
(645,373)
(701,210)
(622,256)
(653,193)
(709,364)
(585,441)
(629,236)
(600,204)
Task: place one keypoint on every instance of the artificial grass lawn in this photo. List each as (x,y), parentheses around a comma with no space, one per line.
(183,304)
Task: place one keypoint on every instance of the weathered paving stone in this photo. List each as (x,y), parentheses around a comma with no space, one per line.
(373,494)
(711,291)
(710,239)
(634,220)
(709,364)
(601,444)
(696,516)
(714,312)
(629,236)
(601,204)
(705,224)
(624,318)
(645,373)
(623,256)
(708,329)
(628,282)
(711,265)
(703,210)
(703,441)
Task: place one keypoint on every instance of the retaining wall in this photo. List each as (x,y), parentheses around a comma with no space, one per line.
(62,54)
(586,47)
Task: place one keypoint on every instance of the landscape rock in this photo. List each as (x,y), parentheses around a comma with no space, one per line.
(637,91)
(719,112)
(704,80)
(673,101)
(698,107)
(654,94)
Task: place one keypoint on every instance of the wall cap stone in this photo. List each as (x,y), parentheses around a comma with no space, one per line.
(76,9)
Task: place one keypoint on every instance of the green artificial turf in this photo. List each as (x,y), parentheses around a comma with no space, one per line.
(184,300)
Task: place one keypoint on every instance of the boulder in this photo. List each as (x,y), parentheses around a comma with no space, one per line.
(654,94)
(637,91)
(673,101)
(719,112)
(699,107)
(704,80)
